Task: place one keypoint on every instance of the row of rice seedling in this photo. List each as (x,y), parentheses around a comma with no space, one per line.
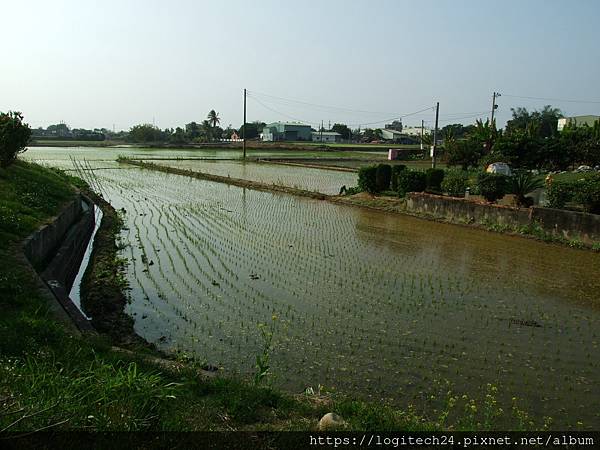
(306,178)
(383,306)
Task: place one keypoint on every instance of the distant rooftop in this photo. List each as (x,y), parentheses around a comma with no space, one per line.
(297,124)
(327,133)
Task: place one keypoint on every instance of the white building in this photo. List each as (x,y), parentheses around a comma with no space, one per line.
(414,131)
(326,136)
(577,120)
(391,135)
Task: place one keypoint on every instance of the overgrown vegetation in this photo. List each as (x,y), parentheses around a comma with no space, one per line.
(14,135)
(584,191)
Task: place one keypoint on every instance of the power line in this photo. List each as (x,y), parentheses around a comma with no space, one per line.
(430,108)
(552,99)
(300,102)
(281,113)
(350,124)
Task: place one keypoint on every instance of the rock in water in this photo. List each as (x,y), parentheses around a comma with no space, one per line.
(330,420)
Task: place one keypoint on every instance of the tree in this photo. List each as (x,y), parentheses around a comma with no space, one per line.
(192,130)
(458,130)
(213,118)
(145,133)
(207,130)
(342,129)
(14,136)
(178,137)
(541,123)
(253,129)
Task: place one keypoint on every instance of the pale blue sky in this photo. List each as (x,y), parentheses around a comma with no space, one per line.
(95,64)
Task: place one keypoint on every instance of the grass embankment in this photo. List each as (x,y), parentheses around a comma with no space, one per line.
(53,378)
(256,185)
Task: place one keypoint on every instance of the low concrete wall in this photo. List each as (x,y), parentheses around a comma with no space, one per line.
(56,251)
(569,224)
(40,246)
(562,223)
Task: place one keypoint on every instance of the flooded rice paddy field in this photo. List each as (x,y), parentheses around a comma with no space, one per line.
(308,179)
(377,305)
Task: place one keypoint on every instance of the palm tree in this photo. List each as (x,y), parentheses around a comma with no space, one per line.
(213,118)
(207,129)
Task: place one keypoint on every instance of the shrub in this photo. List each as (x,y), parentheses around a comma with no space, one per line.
(367,179)
(411,181)
(14,136)
(522,183)
(492,185)
(434,178)
(587,192)
(558,193)
(395,171)
(455,183)
(383,176)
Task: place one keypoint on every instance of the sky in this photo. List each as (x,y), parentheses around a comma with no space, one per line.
(94,64)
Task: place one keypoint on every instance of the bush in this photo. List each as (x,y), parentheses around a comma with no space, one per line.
(455,183)
(396,169)
(411,181)
(434,178)
(492,185)
(587,192)
(558,193)
(14,136)
(383,176)
(367,179)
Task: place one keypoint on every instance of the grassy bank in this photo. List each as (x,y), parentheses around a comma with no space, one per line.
(53,378)
(229,180)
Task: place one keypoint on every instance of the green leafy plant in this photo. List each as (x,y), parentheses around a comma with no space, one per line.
(492,186)
(396,169)
(558,193)
(587,193)
(434,178)
(14,136)
(411,181)
(383,176)
(455,183)
(263,368)
(367,179)
(522,183)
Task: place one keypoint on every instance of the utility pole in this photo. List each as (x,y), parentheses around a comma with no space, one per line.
(321,131)
(494,106)
(434,146)
(422,126)
(244,126)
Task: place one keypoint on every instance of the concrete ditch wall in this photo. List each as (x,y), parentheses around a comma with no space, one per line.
(561,223)
(56,251)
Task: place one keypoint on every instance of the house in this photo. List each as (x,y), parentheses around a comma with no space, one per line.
(286,131)
(326,136)
(414,131)
(395,125)
(389,134)
(577,120)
